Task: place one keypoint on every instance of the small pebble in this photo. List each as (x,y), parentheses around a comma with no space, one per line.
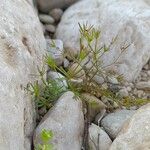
(56,14)
(123,92)
(66,63)
(50,28)
(46,19)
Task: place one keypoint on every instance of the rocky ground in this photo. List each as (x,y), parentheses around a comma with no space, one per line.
(114,130)
(109,111)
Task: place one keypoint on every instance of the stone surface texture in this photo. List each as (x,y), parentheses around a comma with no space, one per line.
(22,46)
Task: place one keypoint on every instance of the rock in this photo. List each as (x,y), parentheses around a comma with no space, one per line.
(66,121)
(47,5)
(112,80)
(98,138)
(55,49)
(143,85)
(135,134)
(46,19)
(22,46)
(76,71)
(98,79)
(59,78)
(123,92)
(129,89)
(66,63)
(140,94)
(126,20)
(95,106)
(113,122)
(114,87)
(56,13)
(50,28)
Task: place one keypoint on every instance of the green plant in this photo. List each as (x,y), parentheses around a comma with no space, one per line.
(45,93)
(129,102)
(89,37)
(46,137)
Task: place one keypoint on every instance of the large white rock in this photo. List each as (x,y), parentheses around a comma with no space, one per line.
(66,121)
(21,48)
(135,134)
(130,20)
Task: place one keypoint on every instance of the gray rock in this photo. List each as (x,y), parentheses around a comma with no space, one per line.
(56,13)
(140,93)
(98,79)
(112,80)
(66,121)
(47,5)
(135,133)
(123,92)
(50,28)
(98,138)
(59,78)
(66,63)
(124,24)
(55,49)
(113,122)
(46,19)
(22,46)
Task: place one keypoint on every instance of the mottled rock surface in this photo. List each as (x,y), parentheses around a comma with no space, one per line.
(22,46)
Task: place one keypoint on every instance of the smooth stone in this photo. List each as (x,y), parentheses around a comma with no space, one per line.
(135,134)
(98,138)
(56,51)
(113,122)
(56,13)
(66,63)
(98,79)
(123,92)
(66,121)
(50,28)
(46,19)
(22,46)
(112,80)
